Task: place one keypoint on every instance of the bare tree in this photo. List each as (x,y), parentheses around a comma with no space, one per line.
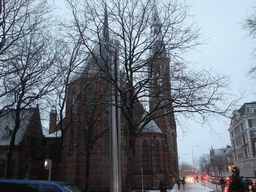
(204,163)
(18,19)
(250,25)
(14,18)
(27,74)
(145,38)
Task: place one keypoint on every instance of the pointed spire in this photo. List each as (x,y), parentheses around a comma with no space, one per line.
(105,31)
(158,46)
(156,24)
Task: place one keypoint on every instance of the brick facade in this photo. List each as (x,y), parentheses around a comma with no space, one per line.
(162,146)
(27,161)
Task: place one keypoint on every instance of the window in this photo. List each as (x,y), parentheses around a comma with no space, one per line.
(238,141)
(145,160)
(71,137)
(254,124)
(252,110)
(174,142)
(231,134)
(73,104)
(236,130)
(239,156)
(242,126)
(157,156)
(7,132)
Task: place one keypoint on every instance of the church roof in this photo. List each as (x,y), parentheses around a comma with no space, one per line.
(151,127)
(7,124)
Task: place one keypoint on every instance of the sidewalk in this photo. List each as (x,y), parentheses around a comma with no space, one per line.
(192,187)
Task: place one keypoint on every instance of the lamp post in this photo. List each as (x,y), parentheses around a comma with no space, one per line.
(193,154)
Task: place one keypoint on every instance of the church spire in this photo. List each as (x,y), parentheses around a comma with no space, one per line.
(158,46)
(156,24)
(105,31)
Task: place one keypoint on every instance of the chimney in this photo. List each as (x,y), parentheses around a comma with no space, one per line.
(53,119)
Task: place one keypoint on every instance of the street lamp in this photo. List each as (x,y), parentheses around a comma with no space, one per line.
(193,154)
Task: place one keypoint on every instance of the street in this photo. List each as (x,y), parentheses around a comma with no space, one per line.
(192,187)
(201,187)
(214,186)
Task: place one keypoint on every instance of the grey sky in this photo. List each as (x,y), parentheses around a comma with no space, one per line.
(228,51)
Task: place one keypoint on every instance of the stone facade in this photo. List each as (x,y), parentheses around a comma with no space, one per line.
(242,135)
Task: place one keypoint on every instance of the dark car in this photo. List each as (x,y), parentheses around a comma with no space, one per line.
(249,184)
(11,185)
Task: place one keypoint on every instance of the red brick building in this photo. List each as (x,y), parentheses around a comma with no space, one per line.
(27,156)
(87,128)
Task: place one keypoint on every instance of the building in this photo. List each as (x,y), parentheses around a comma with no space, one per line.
(83,152)
(221,161)
(86,142)
(242,135)
(27,157)
(31,148)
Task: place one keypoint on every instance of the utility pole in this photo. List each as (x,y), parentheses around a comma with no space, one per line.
(115,136)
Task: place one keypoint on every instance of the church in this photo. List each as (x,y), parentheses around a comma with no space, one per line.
(85,153)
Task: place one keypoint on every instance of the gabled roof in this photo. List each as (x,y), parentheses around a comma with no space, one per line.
(218,152)
(222,151)
(151,127)
(8,122)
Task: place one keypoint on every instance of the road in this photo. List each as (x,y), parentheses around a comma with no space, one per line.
(217,188)
(192,187)
(200,187)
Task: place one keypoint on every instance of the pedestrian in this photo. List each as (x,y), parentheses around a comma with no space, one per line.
(162,186)
(183,182)
(197,179)
(222,183)
(178,183)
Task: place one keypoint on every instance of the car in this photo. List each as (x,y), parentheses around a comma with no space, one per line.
(227,180)
(7,185)
(249,183)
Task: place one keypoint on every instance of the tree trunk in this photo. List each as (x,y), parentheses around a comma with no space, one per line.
(87,170)
(129,173)
(8,173)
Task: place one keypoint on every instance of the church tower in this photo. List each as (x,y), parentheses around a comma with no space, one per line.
(160,101)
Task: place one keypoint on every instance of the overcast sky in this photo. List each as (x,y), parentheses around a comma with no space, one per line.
(229,52)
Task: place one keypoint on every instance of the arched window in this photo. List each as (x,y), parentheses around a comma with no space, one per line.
(174,142)
(7,132)
(145,160)
(73,103)
(157,156)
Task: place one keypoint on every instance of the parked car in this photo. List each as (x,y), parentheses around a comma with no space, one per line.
(249,184)
(7,185)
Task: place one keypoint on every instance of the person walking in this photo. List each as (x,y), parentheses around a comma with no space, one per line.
(222,184)
(178,183)
(162,186)
(183,182)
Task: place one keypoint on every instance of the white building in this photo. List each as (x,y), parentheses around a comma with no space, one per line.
(243,138)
